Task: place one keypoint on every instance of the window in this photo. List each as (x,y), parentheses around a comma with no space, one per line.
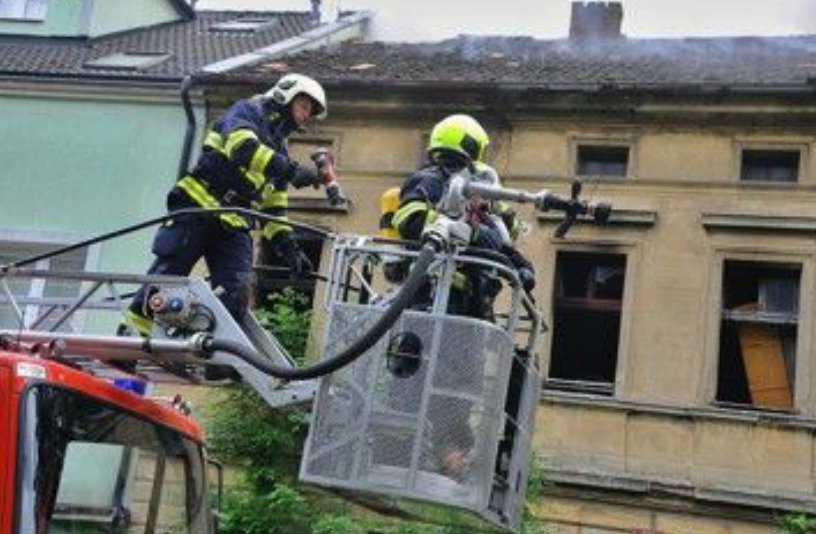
(587,305)
(274,276)
(770,165)
(23,9)
(758,334)
(603,160)
(38,296)
(247,24)
(87,466)
(129,61)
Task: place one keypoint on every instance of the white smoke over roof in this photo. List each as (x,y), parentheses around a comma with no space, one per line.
(430,20)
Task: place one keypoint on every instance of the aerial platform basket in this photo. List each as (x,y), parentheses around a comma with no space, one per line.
(440,410)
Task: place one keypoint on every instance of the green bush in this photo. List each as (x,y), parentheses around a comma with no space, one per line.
(264,444)
(286,315)
(281,511)
(798,523)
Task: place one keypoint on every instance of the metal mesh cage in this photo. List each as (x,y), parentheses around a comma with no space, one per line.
(432,430)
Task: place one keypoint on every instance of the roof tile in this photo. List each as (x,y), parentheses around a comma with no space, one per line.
(191,44)
(527,61)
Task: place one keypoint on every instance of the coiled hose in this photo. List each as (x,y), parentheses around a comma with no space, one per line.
(403,299)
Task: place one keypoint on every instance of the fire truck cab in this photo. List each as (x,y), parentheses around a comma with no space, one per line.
(81,454)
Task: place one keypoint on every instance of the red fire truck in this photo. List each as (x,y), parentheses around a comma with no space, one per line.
(84,454)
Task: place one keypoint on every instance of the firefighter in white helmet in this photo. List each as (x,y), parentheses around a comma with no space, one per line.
(243,163)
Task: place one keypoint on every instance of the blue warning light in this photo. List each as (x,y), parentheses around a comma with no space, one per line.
(138,387)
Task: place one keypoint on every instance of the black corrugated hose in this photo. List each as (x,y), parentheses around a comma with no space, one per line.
(403,299)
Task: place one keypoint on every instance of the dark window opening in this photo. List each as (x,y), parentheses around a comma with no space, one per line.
(597,160)
(758,332)
(586,324)
(274,275)
(770,165)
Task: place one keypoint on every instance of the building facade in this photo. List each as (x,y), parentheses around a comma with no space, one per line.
(679,368)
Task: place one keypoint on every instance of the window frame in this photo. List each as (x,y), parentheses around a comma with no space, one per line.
(246,24)
(631,253)
(50,240)
(127,61)
(22,7)
(628,141)
(741,145)
(804,336)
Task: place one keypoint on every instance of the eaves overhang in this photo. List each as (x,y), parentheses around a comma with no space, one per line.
(783,105)
(373,85)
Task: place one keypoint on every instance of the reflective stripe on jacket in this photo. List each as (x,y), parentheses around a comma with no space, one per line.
(243,154)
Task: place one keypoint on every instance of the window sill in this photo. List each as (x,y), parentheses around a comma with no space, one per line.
(316,205)
(579,387)
(763,317)
(768,183)
(23,20)
(716,411)
(619,217)
(745,221)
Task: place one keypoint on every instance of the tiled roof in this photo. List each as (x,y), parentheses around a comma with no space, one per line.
(190,43)
(522,61)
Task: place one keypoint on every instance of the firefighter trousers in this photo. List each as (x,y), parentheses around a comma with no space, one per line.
(227,251)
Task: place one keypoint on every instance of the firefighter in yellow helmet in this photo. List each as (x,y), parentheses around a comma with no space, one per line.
(457,143)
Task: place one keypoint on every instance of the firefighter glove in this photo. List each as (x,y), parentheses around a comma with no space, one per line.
(335,194)
(287,252)
(527,278)
(445,231)
(303,176)
(300,264)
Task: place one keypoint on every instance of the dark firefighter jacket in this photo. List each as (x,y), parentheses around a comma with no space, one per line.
(419,195)
(244,163)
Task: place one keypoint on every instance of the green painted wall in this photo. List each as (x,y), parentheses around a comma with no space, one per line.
(116,15)
(72,18)
(63,18)
(89,167)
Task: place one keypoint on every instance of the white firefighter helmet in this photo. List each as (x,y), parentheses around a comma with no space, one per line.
(291,85)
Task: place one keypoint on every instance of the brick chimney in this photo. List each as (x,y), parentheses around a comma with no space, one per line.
(596,20)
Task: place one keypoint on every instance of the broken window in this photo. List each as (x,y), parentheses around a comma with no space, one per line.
(586,324)
(770,165)
(758,332)
(603,160)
